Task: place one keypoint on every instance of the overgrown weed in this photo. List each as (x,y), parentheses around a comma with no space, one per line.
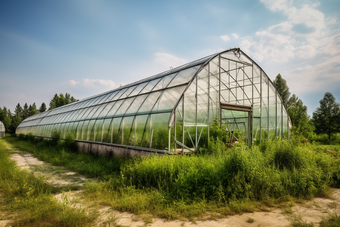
(224,181)
(31,199)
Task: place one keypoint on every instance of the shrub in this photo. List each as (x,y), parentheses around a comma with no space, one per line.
(30,136)
(55,137)
(287,156)
(69,141)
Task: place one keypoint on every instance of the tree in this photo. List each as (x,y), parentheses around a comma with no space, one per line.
(326,117)
(60,100)
(16,119)
(6,118)
(42,107)
(282,88)
(299,117)
(18,110)
(32,110)
(25,112)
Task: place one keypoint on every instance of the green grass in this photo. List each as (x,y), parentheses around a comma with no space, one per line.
(31,200)
(332,221)
(224,181)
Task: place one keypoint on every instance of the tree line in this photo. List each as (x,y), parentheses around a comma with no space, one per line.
(12,120)
(325,119)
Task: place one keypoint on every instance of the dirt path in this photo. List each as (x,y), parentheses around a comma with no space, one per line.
(308,211)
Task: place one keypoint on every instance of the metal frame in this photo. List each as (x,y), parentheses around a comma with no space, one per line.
(68,116)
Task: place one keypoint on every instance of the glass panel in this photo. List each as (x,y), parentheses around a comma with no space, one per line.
(190,116)
(116,132)
(79,130)
(98,111)
(184,76)
(168,99)
(84,130)
(107,131)
(106,109)
(136,104)
(92,112)
(149,102)
(164,81)
(114,108)
(86,112)
(80,114)
(159,131)
(99,130)
(90,130)
(122,109)
(140,122)
(128,92)
(138,89)
(146,140)
(112,96)
(128,133)
(119,95)
(150,86)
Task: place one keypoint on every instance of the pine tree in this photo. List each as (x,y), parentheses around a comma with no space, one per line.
(327,116)
(6,118)
(32,110)
(18,110)
(282,88)
(42,107)
(299,116)
(60,100)
(25,112)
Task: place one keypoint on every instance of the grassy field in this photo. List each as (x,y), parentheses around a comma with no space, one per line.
(29,201)
(221,181)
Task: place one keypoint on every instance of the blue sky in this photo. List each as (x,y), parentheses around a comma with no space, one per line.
(85,47)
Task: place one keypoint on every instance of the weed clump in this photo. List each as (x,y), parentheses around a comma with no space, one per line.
(287,156)
(55,137)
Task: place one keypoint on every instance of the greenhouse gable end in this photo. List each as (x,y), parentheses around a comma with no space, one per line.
(172,111)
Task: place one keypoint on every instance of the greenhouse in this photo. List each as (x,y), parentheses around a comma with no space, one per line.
(2,129)
(173,111)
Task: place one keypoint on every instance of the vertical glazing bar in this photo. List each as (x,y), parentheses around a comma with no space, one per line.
(151,130)
(282,119)
(252,101)
(208,103)
(175,113)
(268,112)
(122,127)
(287,125)
(275,113)
(229,81)
(134,142)
(183,123)
(219,89)
(260,106)
(169,143)
(196,145)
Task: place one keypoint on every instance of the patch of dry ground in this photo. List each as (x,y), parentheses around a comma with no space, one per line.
(58,176)
(308,211)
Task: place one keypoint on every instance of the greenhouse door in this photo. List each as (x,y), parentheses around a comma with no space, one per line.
(238,122)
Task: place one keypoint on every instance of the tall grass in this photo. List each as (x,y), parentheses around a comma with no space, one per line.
(282,170)
(217,179)
(31,200)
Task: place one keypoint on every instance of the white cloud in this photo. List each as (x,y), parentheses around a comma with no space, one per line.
(91,84)
(225,37)
(305,34)
(315,77)
(235,35)
(168,60)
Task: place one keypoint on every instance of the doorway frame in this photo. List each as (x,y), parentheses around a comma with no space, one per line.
(235,107)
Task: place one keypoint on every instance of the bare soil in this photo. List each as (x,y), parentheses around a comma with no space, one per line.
(308,211)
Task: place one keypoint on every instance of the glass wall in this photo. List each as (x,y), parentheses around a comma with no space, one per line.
(2,129)
(174,110)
